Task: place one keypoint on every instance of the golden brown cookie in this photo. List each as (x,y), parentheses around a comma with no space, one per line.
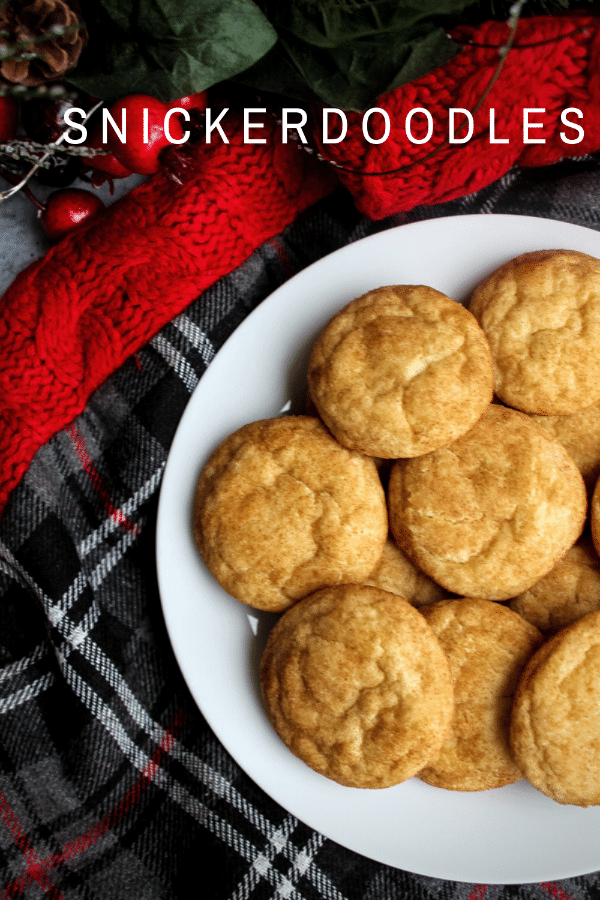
(487,645)
(491,514)
(569,591)
(555,726)
(357,686)
(382,464)
(396,573)
(400,371)
(579,434)
(282,509)
(595,516)
(541,315)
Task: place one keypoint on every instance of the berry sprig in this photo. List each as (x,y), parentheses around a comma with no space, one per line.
(154,136)
(154,141)
(33,152)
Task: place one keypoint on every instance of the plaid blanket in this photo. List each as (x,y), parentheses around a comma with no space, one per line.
(111,783)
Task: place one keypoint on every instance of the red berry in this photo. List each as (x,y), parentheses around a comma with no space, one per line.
(9,118)
(67,210)
(195,107)
(105,162)
(136,154)
(192,101)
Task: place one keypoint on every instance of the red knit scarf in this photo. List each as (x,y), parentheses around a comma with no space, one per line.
(553,65)
(72,318)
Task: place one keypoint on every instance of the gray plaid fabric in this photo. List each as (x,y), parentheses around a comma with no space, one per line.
(111,783)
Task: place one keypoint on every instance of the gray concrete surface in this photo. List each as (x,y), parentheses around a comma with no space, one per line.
(22,238)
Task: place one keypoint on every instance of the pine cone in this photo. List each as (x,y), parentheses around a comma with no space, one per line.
(43,40)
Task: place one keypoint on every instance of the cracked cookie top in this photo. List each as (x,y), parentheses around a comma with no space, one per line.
(357,686)
(488,646)
(554,733)
(568,592)
(400,371)
(579,433)
(397,574)
(541,315)
(281,509)
(491,514)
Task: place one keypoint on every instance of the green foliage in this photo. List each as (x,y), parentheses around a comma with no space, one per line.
(342,52)
(168,48)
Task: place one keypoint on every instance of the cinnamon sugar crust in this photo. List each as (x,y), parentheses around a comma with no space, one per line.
(400,371)
(491,514)
(357,686)
(555,727)
(281,509)
(541,314)
(568,592)
(395,573)
(488,646)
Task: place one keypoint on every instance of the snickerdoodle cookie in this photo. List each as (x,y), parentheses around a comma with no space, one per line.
(281,509)
(357,686)
(400,371)
(579,433)
(555,721)
(397,574)
(595,516)
(569,591)
(492,513)
(541,315)
(487,645)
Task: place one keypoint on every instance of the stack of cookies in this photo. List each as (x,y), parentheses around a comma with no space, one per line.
(421,534)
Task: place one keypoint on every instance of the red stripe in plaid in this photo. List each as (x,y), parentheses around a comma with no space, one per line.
(37,869)
(286,263)
(34,868)
(88,466)
(554,890)
(479,892)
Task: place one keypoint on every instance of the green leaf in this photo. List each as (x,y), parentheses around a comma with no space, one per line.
(424,54)
(348,52)
(353,75)
(345,53)
(167,48)
(331,23)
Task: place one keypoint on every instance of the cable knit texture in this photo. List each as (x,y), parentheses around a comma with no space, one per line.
(553,65)
(72,318)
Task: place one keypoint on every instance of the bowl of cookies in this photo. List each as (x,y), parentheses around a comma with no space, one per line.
(378,553)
